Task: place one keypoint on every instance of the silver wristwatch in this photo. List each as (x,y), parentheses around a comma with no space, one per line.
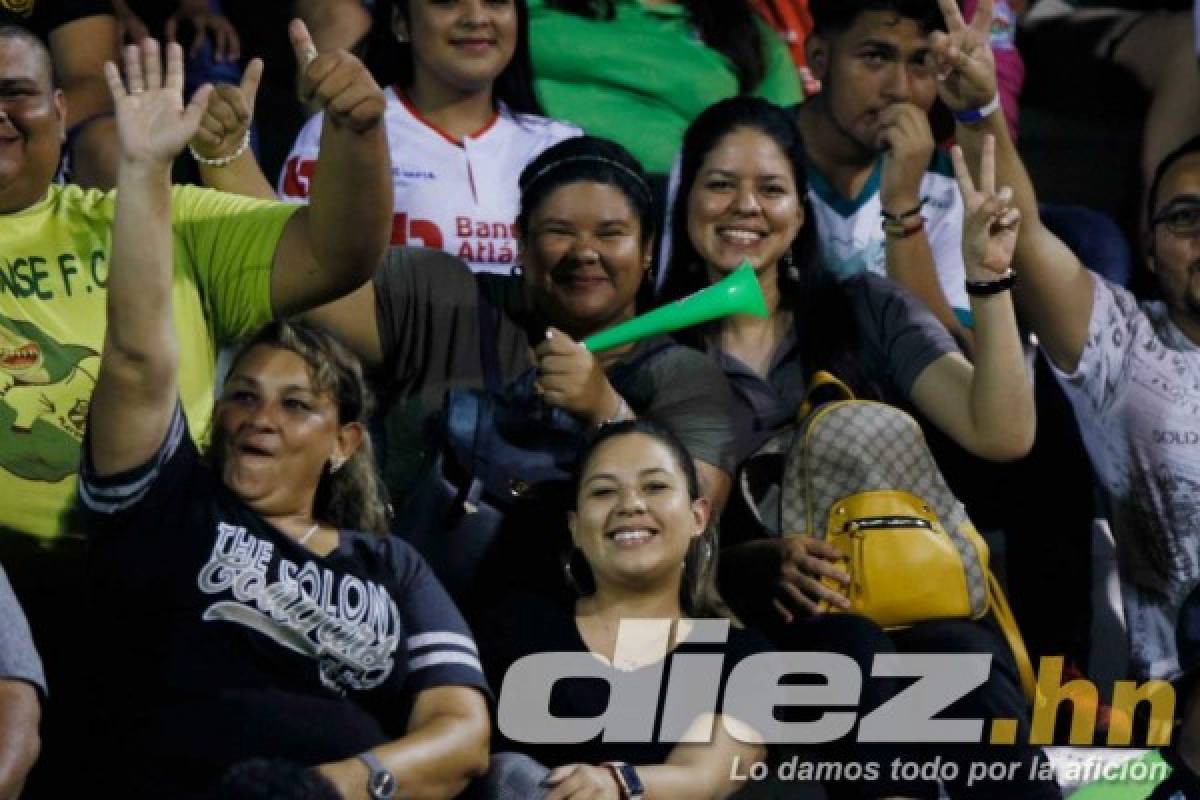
(381,784)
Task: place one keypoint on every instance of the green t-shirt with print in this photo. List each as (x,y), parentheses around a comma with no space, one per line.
(53,272)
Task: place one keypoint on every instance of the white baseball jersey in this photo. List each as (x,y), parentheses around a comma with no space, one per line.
(461,197)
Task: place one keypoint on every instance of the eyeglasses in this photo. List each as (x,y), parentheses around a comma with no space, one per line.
(1181,218)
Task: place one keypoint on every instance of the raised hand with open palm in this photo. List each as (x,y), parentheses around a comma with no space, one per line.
(153,124)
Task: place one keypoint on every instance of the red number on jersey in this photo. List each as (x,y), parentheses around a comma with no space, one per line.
(421,232)
(297,176)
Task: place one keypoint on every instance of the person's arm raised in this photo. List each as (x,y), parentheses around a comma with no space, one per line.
(335,244)
(228,165)
(987,408)
(136,388)
(221,146)
(1054,292)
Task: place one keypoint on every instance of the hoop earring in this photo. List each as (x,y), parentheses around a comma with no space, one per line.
(568,569)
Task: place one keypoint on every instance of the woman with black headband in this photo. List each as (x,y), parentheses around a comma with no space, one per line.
(586,233)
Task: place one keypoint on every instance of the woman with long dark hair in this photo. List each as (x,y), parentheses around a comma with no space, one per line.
(742,198)
(639,72)
(248,601)
(642,562)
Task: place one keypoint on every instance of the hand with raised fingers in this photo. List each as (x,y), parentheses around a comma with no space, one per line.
(582,782)
(228,115)
(153,124)
(963,58)
(808,564)
(992,222)
(335,82)
(907,143)
(227,46)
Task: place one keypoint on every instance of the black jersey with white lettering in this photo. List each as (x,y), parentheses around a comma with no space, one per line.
(219,638)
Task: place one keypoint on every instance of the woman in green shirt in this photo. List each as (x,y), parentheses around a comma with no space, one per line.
(639,71)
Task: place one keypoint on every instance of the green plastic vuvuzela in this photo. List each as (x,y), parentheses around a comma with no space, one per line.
(737,293)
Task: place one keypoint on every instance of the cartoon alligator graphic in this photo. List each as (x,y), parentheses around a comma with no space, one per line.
(45,389)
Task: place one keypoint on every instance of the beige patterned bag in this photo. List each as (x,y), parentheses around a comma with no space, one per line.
(858,474)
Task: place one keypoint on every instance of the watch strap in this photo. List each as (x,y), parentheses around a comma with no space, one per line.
(381,784)
(628,781)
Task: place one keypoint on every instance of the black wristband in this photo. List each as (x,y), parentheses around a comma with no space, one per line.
(989,288)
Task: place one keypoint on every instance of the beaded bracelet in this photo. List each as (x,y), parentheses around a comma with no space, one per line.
(902,230)
(223,161)
(912,212)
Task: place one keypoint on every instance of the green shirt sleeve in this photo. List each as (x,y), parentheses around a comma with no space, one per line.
(228,244)
(781,83)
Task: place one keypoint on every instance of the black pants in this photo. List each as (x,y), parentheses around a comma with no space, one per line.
(1000,697)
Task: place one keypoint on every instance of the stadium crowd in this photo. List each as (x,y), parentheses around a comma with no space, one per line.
(309,448)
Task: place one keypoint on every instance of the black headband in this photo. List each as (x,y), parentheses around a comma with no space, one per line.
(553,165)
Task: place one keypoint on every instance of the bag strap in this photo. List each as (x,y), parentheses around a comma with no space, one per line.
(822,381)
(489,332)
(1008,626)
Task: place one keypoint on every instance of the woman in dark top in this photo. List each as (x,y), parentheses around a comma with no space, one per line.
(428,326)
(642,564)
(246,604)
(742,197)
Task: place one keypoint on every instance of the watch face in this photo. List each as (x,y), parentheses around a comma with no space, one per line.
(382,786)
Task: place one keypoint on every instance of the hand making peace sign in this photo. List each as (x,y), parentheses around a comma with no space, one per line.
(992,222)
(963,57)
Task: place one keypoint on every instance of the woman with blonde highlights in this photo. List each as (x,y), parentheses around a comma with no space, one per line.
(251,594)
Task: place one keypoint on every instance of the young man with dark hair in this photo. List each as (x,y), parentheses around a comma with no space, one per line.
(872,152)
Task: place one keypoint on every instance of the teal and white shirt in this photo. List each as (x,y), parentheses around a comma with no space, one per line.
(852,239)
